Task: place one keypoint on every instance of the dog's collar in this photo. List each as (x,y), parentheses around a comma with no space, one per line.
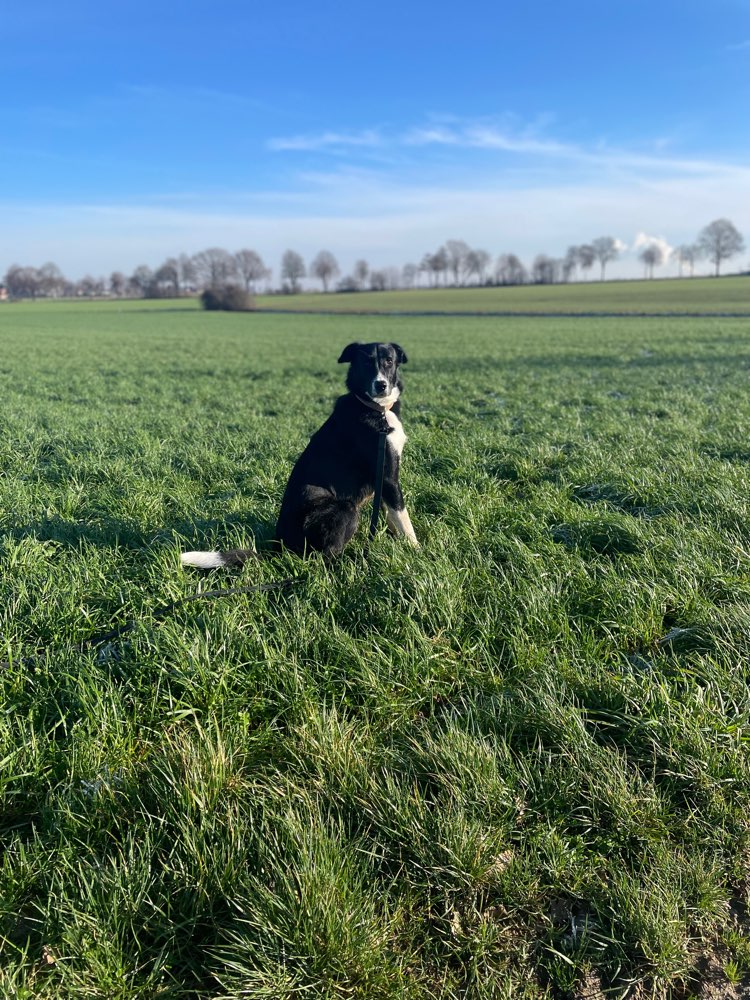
(373,405)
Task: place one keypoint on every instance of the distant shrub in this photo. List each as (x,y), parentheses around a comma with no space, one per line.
(348,284)
(230,298)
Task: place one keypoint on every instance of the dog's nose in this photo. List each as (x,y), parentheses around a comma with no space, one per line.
(380,385)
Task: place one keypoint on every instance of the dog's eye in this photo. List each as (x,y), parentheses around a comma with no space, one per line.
(387,362)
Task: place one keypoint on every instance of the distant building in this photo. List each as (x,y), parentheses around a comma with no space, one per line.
(3,293)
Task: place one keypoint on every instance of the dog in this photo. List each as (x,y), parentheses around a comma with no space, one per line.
(335,474)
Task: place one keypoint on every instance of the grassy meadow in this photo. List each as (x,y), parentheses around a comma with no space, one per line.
(693,295)
(512,764)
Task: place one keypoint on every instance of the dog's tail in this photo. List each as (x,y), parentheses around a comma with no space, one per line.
(215,560)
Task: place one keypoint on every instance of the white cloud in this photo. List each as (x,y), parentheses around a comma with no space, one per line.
(644,240)
(739,46)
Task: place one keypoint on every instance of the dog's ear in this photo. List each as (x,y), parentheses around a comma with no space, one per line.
(401,357)
(347,355)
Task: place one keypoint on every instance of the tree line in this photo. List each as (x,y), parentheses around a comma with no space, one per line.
(454,263)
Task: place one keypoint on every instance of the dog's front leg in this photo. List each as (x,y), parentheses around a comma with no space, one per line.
(396,513)
(400,522)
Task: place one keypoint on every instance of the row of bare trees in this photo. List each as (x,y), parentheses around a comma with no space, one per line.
(455,263)
(174,277)
(211,268)
(720,240)
(455,260)
(207,269)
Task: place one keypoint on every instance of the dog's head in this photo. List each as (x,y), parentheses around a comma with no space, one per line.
(373,370)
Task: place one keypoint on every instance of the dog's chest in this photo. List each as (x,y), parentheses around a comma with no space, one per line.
(396,436)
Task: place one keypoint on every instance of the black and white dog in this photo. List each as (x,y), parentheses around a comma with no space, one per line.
(335,474)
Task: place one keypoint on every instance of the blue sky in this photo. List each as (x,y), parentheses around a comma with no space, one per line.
(134,132)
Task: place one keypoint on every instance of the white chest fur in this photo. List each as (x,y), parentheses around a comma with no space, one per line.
(396,437)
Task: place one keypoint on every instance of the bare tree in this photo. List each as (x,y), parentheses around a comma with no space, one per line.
(188,275)
(167,278)
(544,270)
(214,267)
(586,257)
(141,281)
(605,249)
(87,286)
(51,279)
(324,266)
(509,270)
(117,283)
(392,278)
(456,253)
(361,270)
(22,282)
(719,241)
(378,281)
(409,275)
(570,262)
(688,254)
(651,256)
(250,268)
(439,264)
(292,269)
(476,264)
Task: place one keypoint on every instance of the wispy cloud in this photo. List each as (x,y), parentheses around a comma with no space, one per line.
(431,135)
(479,136)
(490,136)
(739,46)
(370,138)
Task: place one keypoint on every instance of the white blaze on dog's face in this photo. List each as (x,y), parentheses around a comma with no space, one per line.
(373,371)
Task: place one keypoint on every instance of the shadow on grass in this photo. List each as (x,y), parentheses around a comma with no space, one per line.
(109,532)
(605,538)
(484,363)
(169,309)
(621,500)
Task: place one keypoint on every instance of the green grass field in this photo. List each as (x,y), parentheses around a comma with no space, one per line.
(731,295)
(513,764)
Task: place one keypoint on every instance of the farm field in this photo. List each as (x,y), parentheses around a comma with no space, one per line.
(699,295)
(514,763)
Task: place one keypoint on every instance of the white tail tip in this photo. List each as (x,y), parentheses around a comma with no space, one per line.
(205,560)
